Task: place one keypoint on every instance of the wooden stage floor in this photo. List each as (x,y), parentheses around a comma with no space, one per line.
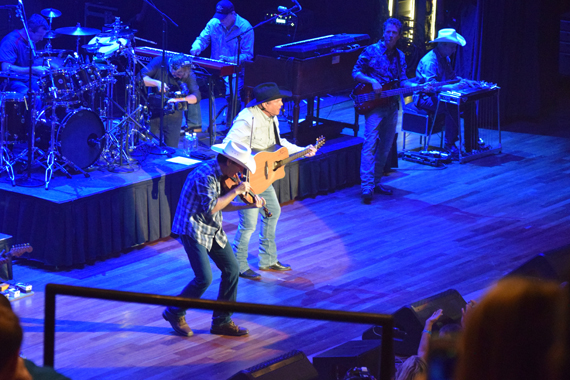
(459,227)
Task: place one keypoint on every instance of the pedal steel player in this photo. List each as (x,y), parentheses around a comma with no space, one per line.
(435,66)
(178,78)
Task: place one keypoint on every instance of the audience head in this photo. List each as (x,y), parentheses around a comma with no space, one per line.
(516,332)
(11,336)
(451,330)
(414,368)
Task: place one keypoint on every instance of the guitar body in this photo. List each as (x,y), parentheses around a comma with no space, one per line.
(267,172)
(365,99)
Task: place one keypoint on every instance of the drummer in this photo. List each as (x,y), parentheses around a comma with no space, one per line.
(15,56)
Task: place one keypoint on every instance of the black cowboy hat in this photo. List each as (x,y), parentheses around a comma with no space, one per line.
(266,92)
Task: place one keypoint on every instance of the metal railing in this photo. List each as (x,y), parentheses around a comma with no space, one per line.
(51,290)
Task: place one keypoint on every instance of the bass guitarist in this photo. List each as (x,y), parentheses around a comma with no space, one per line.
(257,125)
(378,64)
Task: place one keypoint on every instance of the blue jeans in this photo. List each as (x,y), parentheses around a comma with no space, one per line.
(229,120)
(172,124)
(224,259)
(193,116)
(246,227)
(379,131)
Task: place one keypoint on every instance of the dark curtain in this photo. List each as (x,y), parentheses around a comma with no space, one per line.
(513,43)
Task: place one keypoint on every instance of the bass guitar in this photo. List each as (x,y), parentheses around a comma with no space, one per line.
(365,99)
(16,251)
(271,166)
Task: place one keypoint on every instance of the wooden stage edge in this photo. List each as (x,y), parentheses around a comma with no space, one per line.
(458,227)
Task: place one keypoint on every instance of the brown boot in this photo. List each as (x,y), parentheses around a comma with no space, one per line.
(230,329)
(178,323)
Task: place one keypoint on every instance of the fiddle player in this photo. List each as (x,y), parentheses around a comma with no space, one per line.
(219,34)
(15,54)
(377,65)
(262,111)
(178,78)
(435,67)
(198,221)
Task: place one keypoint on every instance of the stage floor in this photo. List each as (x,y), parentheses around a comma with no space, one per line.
(461,227)
(79,220)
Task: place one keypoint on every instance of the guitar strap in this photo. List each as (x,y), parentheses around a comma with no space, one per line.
(277,138)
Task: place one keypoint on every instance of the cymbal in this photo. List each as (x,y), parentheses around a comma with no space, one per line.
(77,31)
(123,33)
(51,34)
(91,48)
(51,52)
(50,13)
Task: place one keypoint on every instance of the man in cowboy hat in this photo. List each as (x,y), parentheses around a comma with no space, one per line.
(436,66)
(262,111)
(198,221)
(220,33)
(377,65)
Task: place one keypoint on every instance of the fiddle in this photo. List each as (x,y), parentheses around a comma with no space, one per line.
(248,198)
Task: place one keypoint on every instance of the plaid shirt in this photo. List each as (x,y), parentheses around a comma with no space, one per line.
(198,198)
(380,64)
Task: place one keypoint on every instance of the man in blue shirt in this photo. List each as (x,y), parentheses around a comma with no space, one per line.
(378,65)
(15,56)
(198,221)
(219,34)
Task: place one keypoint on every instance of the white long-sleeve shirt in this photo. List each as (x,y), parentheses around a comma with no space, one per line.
(263,131)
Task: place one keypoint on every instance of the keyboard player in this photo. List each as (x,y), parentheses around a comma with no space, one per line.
(435,66)
(220,33)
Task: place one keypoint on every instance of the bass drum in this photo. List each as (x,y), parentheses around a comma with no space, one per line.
(79,136)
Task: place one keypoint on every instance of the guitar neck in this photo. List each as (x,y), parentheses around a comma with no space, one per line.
(292,157)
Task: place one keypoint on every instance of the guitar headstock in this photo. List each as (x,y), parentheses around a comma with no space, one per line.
(320,142)
(20,249)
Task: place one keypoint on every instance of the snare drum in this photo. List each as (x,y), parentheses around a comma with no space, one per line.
(86,78)
(57,84)
(14,114)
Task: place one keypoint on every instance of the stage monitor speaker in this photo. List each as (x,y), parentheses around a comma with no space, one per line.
(334,363)
(293,365)
(409,320)
(537,267)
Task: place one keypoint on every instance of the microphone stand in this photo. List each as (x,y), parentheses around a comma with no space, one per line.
(162,149)
(234,100)
(27,180)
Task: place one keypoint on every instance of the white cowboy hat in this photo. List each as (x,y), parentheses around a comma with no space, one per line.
(449,35)
(236,152)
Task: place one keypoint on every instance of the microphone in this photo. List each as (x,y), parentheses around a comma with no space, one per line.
(282,9)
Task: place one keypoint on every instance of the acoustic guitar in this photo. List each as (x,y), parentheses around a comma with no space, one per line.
(271,166)
(365,99)
(16,251)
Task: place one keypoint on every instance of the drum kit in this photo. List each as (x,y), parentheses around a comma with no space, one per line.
(74,125)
